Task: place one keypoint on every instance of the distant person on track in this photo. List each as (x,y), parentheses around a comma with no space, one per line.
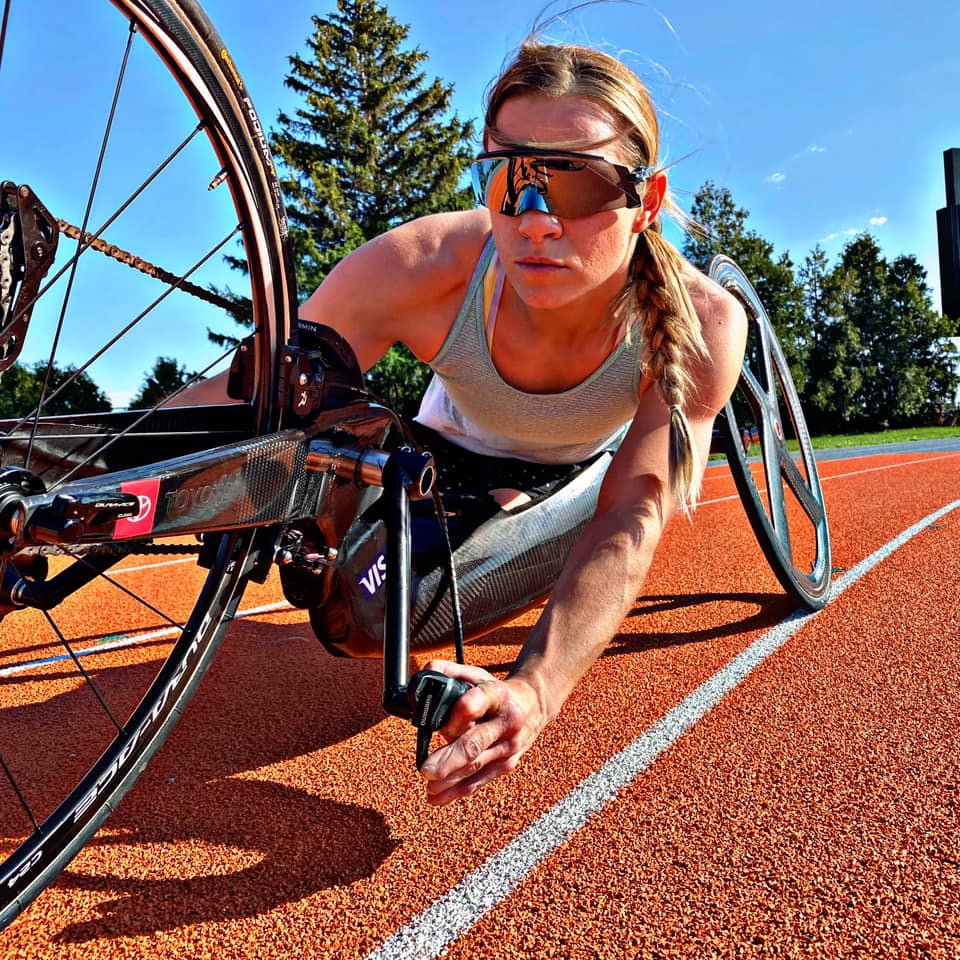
(553,315)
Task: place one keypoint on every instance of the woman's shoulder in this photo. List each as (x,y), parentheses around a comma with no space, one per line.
(711,301)
(722,317)
(439,245)
(723,324)
(404,285)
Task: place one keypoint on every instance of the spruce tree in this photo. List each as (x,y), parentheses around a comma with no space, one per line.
(371,144)
(723,230)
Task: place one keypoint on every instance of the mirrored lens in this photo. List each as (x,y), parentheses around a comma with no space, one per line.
(566,186)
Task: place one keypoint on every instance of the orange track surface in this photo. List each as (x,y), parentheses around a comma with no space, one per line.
(815,811)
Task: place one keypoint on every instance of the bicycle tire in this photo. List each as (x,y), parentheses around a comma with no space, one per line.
(191,52)
(790,523)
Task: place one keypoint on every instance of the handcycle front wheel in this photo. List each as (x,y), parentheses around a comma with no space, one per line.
(175,178)
(786,510)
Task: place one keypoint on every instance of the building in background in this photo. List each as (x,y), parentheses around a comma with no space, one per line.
(948,236)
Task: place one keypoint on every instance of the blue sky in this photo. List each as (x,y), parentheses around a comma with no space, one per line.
(822,119)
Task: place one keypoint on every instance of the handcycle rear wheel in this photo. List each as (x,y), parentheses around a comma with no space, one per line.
(787,513)
(90,690)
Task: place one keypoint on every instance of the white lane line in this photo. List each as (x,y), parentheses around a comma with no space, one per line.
(890,466)
(131,640)
(430,934)
(152,566)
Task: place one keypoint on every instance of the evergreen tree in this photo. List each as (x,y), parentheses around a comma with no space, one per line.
(166,377)
(724,231)
(370,146)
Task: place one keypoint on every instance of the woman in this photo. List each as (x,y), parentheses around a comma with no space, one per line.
(591,320)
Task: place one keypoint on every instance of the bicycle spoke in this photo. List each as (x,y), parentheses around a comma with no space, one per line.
(139,599)
(88,239)
(86,220)
(3,29)
(91,685)
(16,789)
(34,414)
(86,676)
(147,413)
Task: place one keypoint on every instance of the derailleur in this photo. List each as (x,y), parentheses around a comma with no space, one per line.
(28,245)
(302,559)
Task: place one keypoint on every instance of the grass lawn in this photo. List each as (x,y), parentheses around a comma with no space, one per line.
(829,441)
(832,441)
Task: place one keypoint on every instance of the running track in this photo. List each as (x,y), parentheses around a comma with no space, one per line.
(731,779)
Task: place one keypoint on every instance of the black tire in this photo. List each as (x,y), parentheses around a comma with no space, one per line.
(789,516)
(106,703)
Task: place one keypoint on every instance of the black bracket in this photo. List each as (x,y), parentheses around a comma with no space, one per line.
(318,370)
(28,245)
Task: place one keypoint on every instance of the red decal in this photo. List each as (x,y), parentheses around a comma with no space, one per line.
(148,493)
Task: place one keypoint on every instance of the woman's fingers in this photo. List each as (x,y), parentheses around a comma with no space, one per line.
(492,725)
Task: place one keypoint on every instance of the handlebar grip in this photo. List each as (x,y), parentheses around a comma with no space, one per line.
(432,696)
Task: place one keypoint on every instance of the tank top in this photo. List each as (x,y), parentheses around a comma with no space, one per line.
(472,405)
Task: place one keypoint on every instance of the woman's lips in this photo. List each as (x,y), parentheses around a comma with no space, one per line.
(539,263)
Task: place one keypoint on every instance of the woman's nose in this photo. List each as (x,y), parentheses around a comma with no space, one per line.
(537,225)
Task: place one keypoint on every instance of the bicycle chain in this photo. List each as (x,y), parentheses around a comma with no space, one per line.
(113,549)
(145,266)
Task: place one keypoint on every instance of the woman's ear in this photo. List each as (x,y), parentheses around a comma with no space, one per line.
(653,193)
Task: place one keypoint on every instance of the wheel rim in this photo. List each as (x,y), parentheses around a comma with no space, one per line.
(785,501)
(71,679)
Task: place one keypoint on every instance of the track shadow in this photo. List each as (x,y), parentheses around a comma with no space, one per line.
(298,844)
(771,608)
(247,844)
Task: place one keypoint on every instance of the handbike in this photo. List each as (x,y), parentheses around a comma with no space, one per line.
(301,469)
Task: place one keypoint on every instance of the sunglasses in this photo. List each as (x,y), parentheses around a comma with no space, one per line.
(557,182)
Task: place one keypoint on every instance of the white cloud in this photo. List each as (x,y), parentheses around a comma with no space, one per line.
(851,232)
(877,221)
(776,177)
(815,148)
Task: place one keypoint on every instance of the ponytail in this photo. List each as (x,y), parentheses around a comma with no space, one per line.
(673,339)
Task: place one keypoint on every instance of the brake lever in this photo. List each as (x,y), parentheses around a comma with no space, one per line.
(432,695)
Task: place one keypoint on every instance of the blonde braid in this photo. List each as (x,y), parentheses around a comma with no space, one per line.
(673,339)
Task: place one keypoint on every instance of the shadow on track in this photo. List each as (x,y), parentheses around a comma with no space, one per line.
(767,609)
(234,842)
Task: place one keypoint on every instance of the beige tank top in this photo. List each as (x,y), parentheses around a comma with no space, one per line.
(469,402)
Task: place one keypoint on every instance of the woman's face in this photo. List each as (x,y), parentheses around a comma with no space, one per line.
(553,262)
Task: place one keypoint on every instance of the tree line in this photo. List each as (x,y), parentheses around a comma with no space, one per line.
(68,391)
(372,143)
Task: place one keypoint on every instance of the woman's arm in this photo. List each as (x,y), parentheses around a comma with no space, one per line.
(495,723)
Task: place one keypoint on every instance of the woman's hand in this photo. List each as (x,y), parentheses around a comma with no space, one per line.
(491,727)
